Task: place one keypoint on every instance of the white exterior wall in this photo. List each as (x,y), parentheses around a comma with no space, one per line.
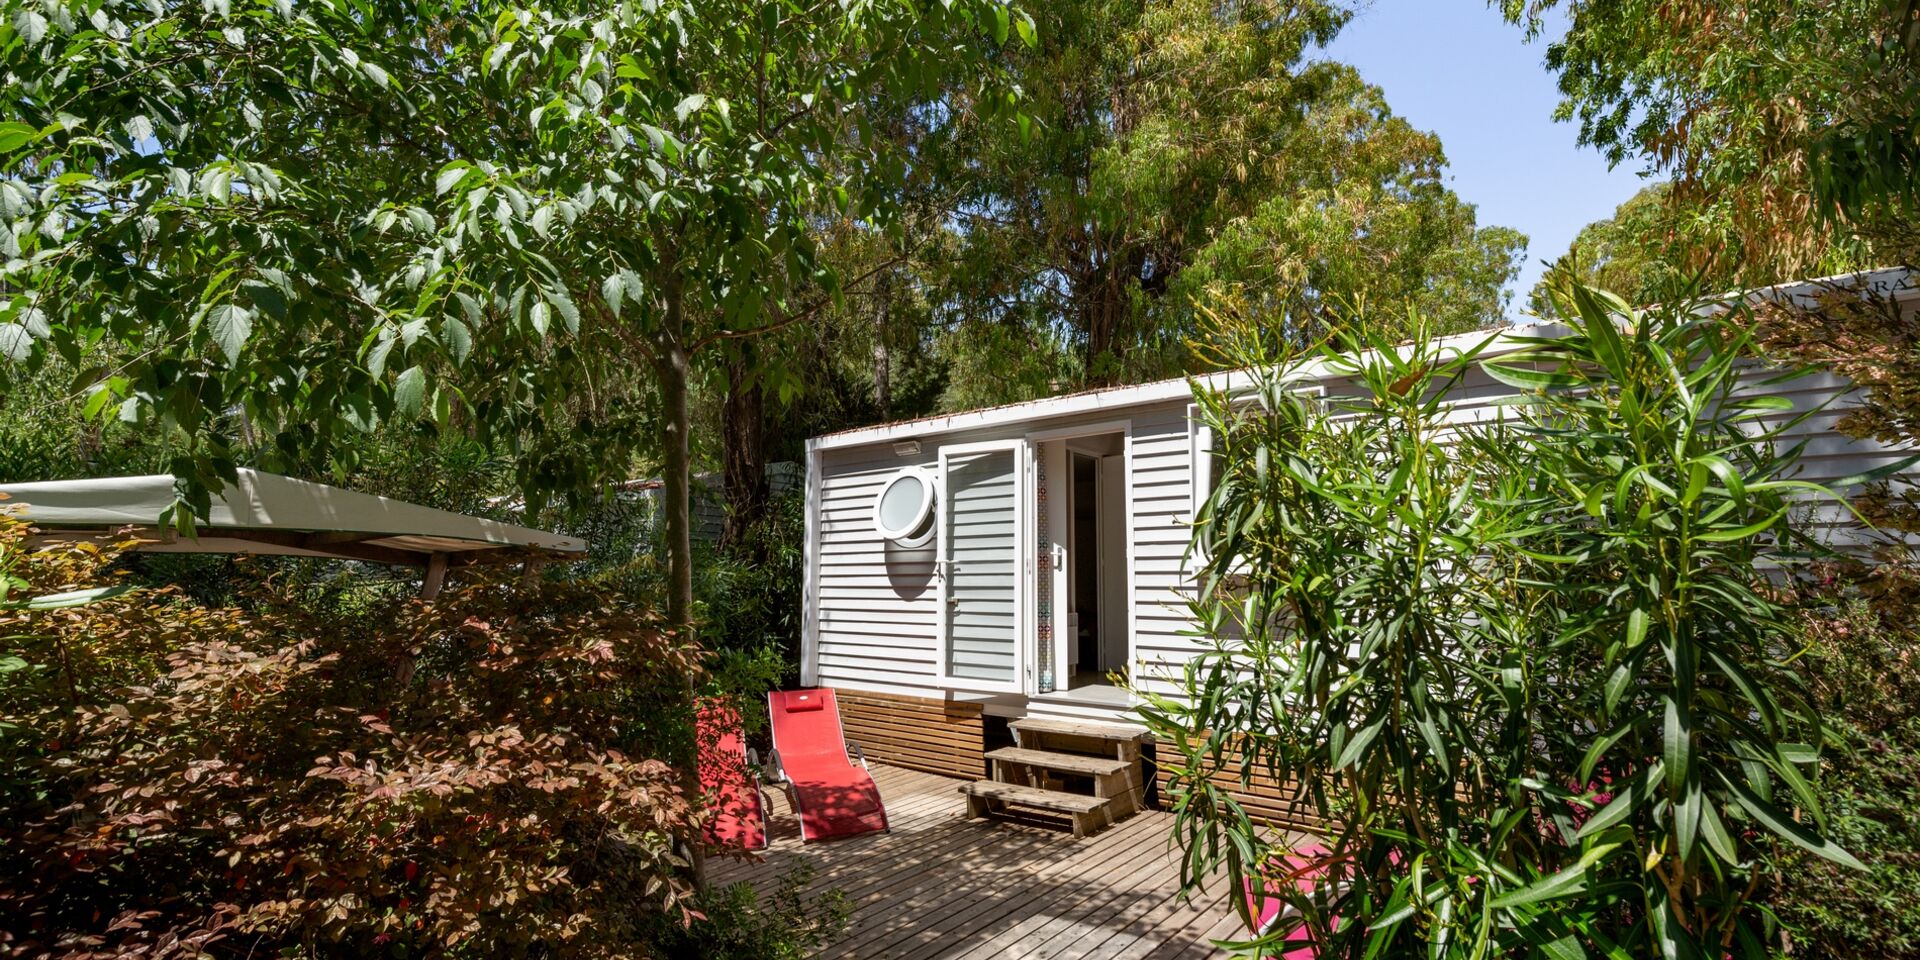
(874,619)
(877,603)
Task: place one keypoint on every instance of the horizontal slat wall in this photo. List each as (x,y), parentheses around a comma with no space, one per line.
(878,601)
(1266,799)
(980,514)
(1161,520)
(937,736)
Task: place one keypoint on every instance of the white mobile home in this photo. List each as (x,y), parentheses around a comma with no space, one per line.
(1002,563)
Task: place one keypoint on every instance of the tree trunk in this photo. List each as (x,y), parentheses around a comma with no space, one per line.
(882,355)
(746,448)
(677,484)
(1104,298)
(671,364)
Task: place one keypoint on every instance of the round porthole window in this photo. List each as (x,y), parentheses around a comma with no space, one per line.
(904,510)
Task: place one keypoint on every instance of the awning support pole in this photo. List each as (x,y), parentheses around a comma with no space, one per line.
(436,576)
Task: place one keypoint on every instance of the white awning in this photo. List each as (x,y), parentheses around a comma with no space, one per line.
(266,513)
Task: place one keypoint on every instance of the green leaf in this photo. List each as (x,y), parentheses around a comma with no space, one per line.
(1676,741)
(1023,25)
(450,176)
(230,325)
(563,305)
(471,307)
(98,396)
(613,291)
(1742,533)
(1878,473)
(1717,837)
(1697,476)
(1598,749)
(1784,826)
(410,392)
(1728,476)
(1636,628)
(383,344)
(457,338)
(1617,683)
(1629,796)
(16,344)
(1567,882)
(78,598)
(31,25)
(1358,744)
(1761,403)
(685,108)
(1526,379)
(14,135)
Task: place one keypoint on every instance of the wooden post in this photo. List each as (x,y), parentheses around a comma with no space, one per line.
(436,576)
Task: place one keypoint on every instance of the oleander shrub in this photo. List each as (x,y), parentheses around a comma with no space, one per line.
(476,776)
(1536,668)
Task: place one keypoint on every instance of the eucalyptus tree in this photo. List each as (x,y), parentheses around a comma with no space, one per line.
(1790,128)
(250,218)
(1167,136)
(1626,253)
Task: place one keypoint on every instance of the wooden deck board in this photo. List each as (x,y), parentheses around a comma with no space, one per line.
(941,885)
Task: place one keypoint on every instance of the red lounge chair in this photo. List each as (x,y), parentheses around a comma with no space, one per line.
(1306,868)
(834,796)
(727,777)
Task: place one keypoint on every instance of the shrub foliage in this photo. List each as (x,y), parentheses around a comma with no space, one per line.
(1532,666)
(1864,666)
(478,775)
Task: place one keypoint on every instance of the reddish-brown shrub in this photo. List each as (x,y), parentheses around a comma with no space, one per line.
(477,775)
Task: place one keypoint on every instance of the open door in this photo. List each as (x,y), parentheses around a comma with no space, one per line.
(1083,557)
(982,590)
(1113,646)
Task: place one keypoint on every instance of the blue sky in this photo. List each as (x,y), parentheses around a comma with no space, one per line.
(1454,67)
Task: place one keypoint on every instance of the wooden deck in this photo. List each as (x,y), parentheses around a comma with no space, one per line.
(940,885)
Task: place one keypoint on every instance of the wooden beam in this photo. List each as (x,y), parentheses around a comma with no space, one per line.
(308,541)
(348,546)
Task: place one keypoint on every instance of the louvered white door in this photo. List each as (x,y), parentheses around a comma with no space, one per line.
(981,584)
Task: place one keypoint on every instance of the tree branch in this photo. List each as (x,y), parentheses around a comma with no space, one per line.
(790,319)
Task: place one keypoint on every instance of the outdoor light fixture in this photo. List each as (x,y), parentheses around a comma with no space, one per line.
(903,512)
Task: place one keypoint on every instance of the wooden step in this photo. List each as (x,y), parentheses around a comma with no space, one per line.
(1075,763)
(1078,728)
(984,796)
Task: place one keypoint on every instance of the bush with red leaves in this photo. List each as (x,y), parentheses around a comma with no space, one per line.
(473,776)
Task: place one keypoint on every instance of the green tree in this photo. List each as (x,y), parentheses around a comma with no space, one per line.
(1629,252)
(1174,154)
(1170,136)
(529,222)
(1790,128)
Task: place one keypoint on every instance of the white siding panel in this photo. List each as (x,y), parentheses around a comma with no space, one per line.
(1162,507)
(981,534)
(878,603)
